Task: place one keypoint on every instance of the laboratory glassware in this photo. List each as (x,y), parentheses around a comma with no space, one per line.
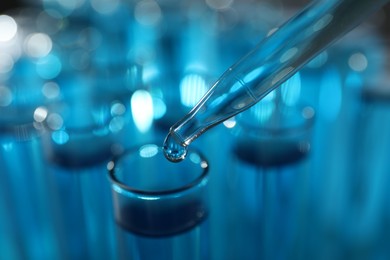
(160,205)
(282,53)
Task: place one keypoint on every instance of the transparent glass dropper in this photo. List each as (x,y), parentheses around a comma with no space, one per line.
(267,66)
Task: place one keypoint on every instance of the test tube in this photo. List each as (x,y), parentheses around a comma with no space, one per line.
(268,177)
(339,137)
(81,203)
(84,124)
(85,118)
(367,178)
(24,188)
(161,208)
(84,115)
(27,228)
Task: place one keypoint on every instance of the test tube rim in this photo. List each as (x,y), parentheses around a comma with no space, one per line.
(307,124)
(197,181)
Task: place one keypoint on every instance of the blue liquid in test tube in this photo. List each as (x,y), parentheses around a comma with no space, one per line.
(158,216)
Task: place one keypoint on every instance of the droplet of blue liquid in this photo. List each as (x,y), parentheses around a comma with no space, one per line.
(173,150)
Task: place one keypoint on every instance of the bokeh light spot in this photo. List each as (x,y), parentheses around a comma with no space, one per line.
(40,114)
(38,45)
(117,124)
(55,121)
(230,123)
(117,109)
(60,137)
(147,12)
(8,28)
(142,110)
(192,89)
(49,67)
(51,90)
(358,62)
(6,63)
(219,4)
(148,151)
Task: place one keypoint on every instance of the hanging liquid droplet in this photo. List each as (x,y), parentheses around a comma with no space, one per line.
(173,150)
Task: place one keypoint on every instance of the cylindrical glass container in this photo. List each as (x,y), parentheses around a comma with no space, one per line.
(162,205)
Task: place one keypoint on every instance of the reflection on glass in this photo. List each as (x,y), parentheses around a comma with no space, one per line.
(160,207)
(154,197)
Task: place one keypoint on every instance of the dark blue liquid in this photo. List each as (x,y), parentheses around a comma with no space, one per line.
(79,153)
(161,220)
(270,153)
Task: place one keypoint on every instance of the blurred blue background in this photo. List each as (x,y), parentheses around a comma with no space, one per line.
(301,175)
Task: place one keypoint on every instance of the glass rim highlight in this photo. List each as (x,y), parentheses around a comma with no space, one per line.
(308,120)
(203,164)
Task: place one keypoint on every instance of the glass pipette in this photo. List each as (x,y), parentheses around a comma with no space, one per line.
(275,59)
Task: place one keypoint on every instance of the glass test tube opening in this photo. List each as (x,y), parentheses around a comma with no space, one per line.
(86,117)
(273,138)
(154,197)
